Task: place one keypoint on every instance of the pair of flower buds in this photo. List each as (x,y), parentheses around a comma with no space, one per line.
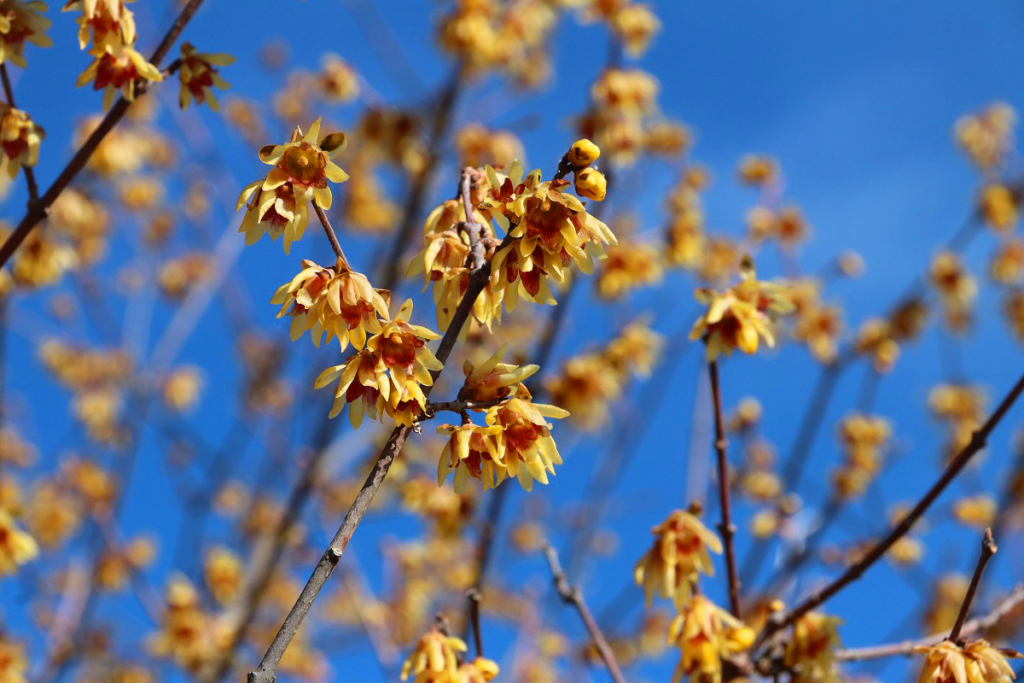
(589,182)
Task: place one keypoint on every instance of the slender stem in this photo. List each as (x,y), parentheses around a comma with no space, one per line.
(30,174)
(727,528)
(988,549)
(573,595)
(38,210)
(461,406)
(332,237)
(974,626)
(266,671)
(473,595)
(854,572)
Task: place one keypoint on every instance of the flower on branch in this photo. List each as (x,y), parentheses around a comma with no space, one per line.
(741,315)
(974,662)
(435,658)
(108,23)
(706,635)
(338,301)
(16,546)
(387,374)
(19,139)
(118,69)
(279,204)
(199,76)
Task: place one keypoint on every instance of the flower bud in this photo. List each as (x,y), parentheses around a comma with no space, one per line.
(583,153)
(591,184)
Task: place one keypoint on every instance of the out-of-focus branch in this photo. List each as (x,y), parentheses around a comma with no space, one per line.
(970,629)
(38,209)
(573,596)
(854,572)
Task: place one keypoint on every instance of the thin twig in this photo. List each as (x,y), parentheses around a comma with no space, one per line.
(30,174)
(38,210)
(988,549)
(461,406)
(854,572)
(332,237)
(973,627)
(473,596)
(727,528)
(266,671)
(573,595)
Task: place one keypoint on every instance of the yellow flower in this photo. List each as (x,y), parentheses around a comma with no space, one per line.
(681,552)
(118,68)
(223,572)
(493,379)
(472,451)
(591,183)
(338,80)
(480,670)
(583,153)
(986,137)
(21,22)
(188,635)
(479,146)
(529,451)
(635,25)
(435,658)
(999,206)
(16,546)
(975,662)
(758,170)
(586,385)
(13,662)
(739,317)
(811,650)
(977,511)
(705,635)
(864,439)
(628,266)
(19,139)
(279,204)
(1007,265)
(108,22)
(199,76)
(338,301)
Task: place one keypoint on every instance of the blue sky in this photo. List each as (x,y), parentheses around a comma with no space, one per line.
(856,100)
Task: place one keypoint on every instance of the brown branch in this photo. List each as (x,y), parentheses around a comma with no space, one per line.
(573,596)
(332,237)
(39,209)
(473,596)
(854,572)
(266,671)
(988,549)
(30,174)
(727,528)
(973,627)
(461,406)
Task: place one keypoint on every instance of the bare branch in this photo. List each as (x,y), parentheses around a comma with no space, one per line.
(573,595)
(988,549)
(727,528)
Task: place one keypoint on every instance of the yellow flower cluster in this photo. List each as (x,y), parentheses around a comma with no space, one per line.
(488,35)
(629,265)
(116,64)
(1007,264)
(741,316)
(479,147)
(956,288)
(681,552)
(999,206)
(19,139)
(84,221)
(706,634)
(986,137)
(279,204)
(623,118)
(516,441)
(973,662)
(189,636)
(199,76)
(864,439)
(386,375)
(436,659)
(179,275)
(553,231)
(816,324)
(338,301)
(115,566)
(810,652)
(880,338)
(685,235)
(589,382)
